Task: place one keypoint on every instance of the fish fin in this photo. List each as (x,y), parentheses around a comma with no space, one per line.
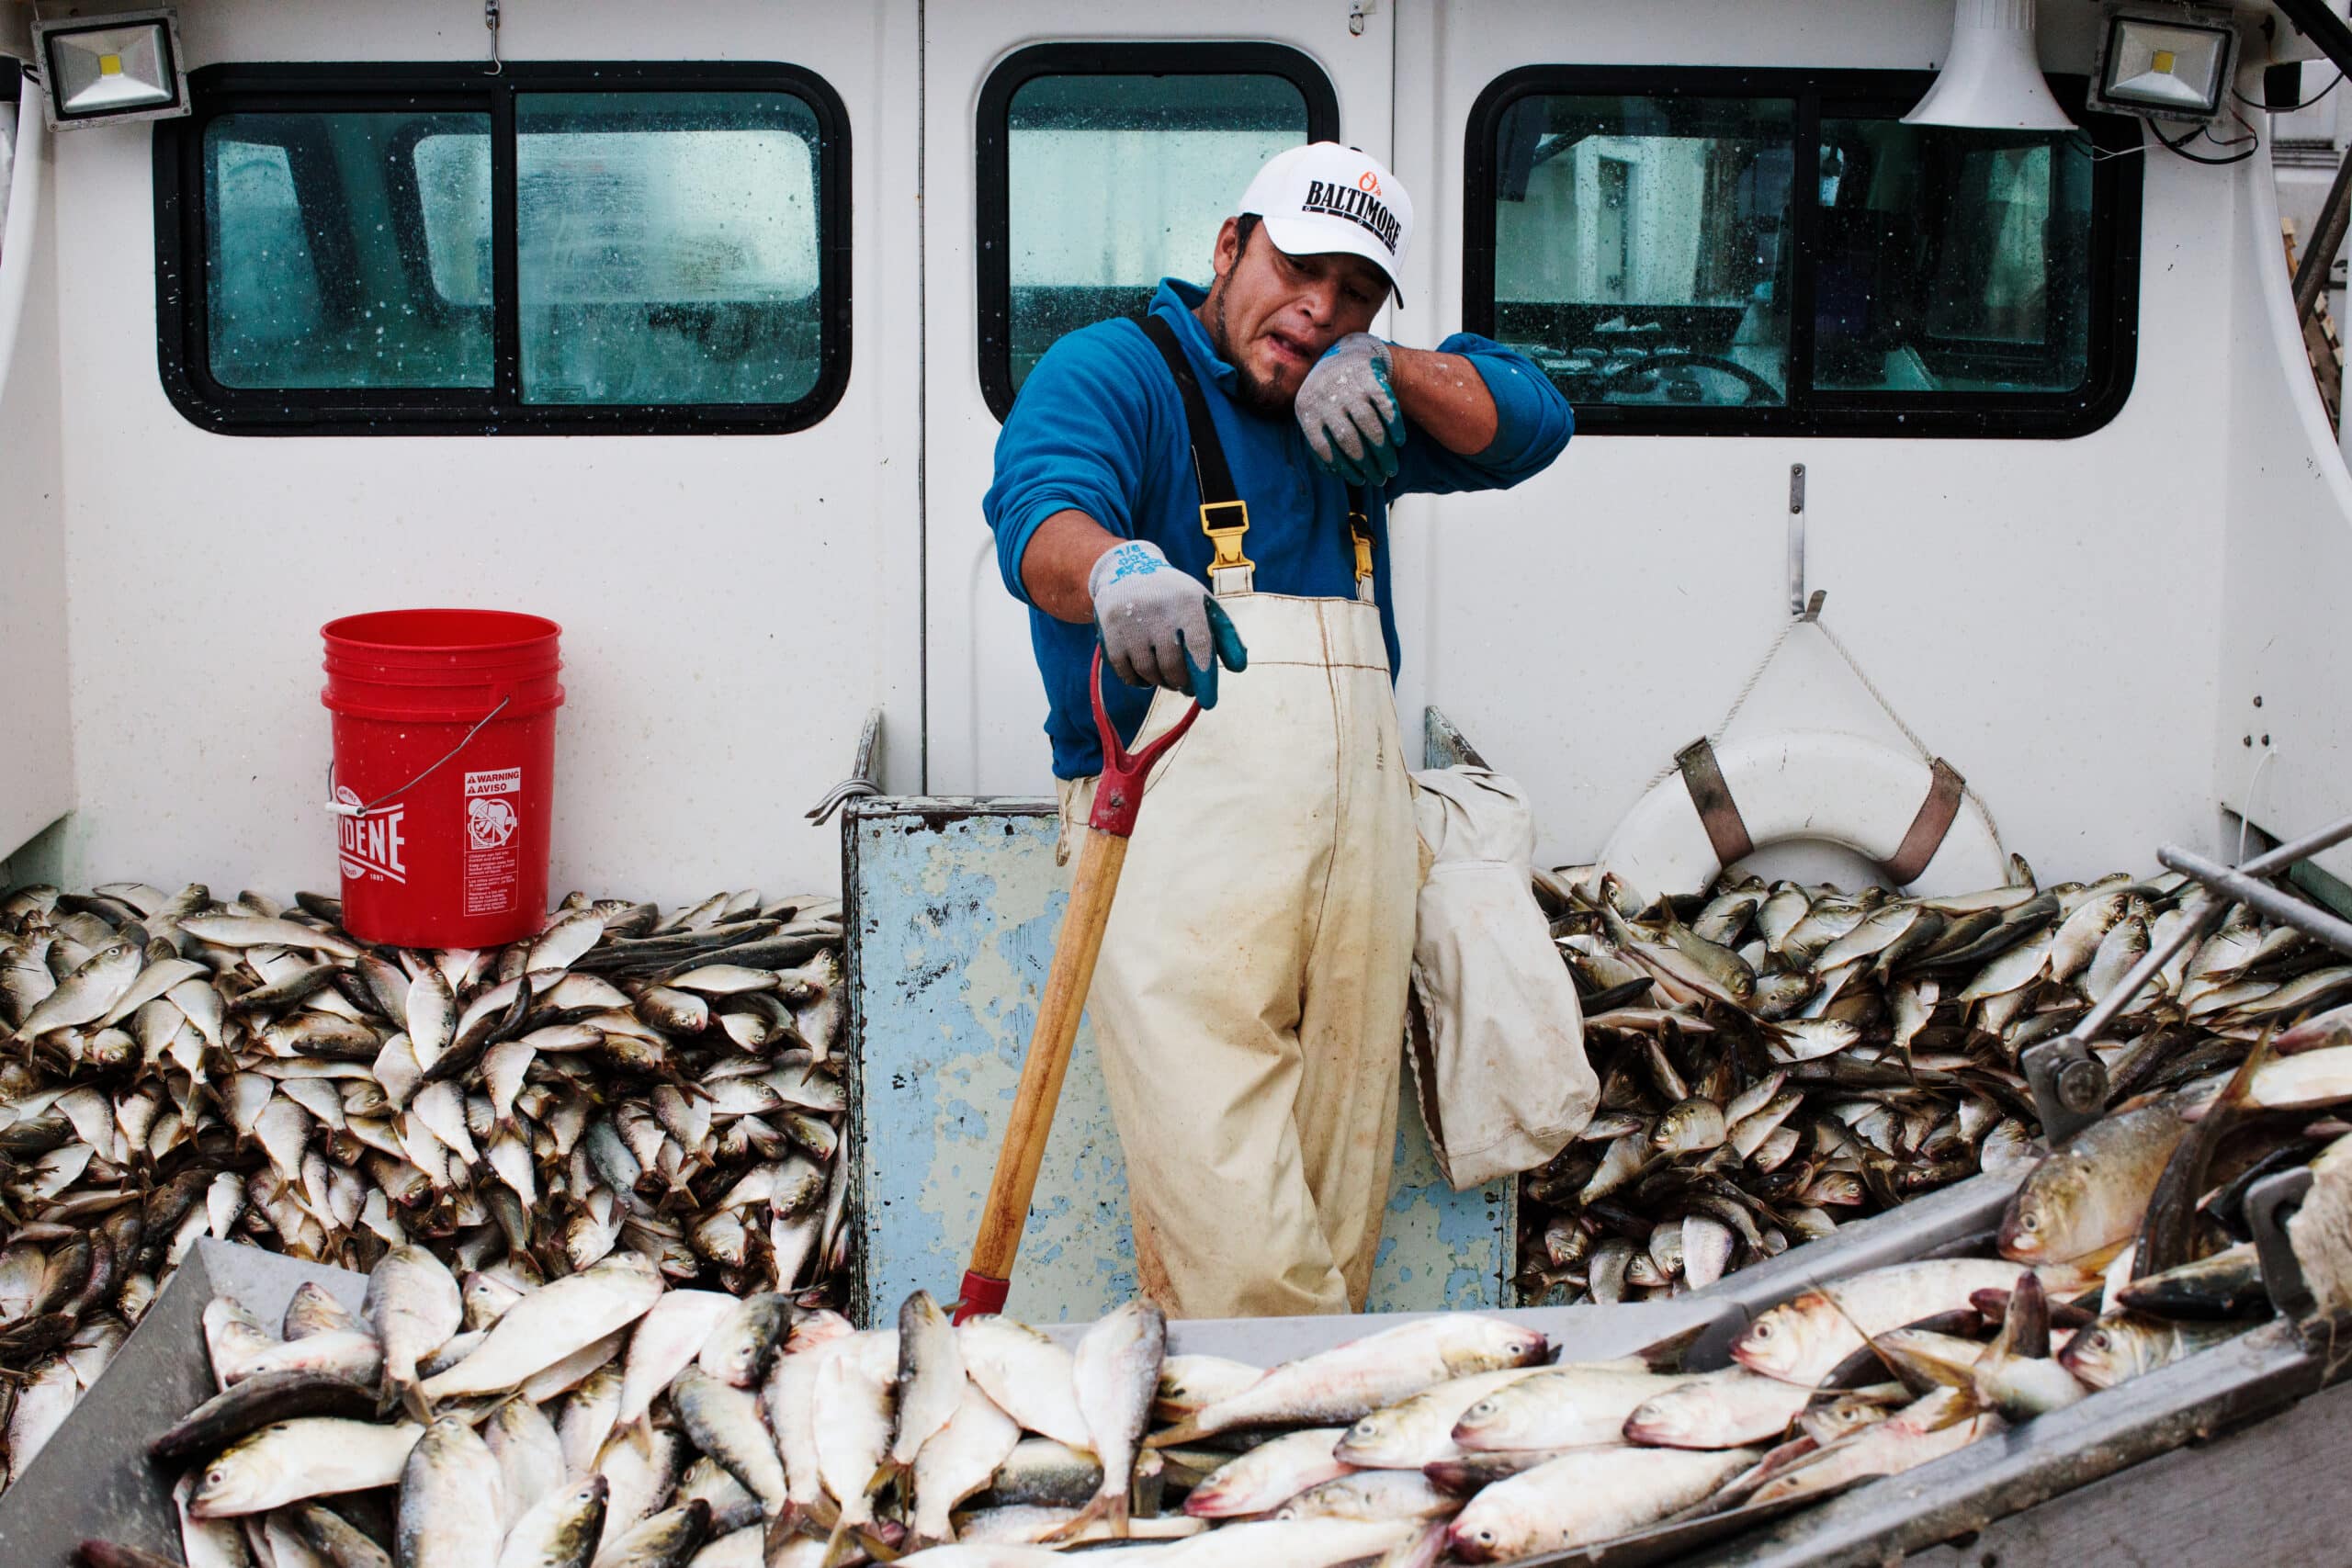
(2097,1262)
(1666,1355)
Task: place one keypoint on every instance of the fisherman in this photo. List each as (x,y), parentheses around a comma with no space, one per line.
(1206,487)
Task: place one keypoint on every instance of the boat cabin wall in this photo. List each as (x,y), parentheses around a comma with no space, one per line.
(2079,623)
(732,605)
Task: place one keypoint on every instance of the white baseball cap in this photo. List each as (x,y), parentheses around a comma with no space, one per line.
(1324,197)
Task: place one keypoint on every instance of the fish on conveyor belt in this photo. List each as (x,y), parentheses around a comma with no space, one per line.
(182,1066)
(1778,1060)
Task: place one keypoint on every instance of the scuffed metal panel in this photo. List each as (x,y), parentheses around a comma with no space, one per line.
(955,906)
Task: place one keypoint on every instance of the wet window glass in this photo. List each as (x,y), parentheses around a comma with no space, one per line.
(666,247)
(1643,246)
(1114,182)
(316,228)
(1953,260)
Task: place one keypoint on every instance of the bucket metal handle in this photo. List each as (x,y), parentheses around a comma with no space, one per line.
(341,808)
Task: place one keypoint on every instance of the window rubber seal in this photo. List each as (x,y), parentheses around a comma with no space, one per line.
(2112,341)
(183,348)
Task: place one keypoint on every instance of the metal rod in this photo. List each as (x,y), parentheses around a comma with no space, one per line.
(2283,907)
(2202,916)
(2318,260)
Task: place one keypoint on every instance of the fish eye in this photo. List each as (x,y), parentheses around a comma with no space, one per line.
(215,1477)
(2030,1221)
(1763,1329)
(2099,1341)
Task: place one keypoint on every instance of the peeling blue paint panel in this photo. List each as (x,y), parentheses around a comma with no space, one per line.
(956,904)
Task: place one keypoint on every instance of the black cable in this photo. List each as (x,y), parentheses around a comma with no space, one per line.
(2290,108)
(2180,149)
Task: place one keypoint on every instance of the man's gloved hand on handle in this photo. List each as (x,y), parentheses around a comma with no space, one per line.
(1349,414)
(1154,619)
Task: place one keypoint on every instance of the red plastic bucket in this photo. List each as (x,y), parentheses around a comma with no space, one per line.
(443,772)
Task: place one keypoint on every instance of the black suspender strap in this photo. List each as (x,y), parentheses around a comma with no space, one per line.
(1225,516)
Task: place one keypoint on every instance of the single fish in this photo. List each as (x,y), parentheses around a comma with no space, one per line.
(414,1304)
(1345,1384)
(2091,1195)
(1803,1339)
(560,1531)
(308,1456)
(957,1460)
(665,1341)
(529,1455)
(257,1402)
(724,1422)
(1269,1475)
(550,1324)
(1117,1372)
(1566,1406)
(1035,1380)
(1727,1409)
(1587,1495)
(931,1377)
(2124,1345)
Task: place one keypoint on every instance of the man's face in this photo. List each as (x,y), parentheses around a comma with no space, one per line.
(1270,316)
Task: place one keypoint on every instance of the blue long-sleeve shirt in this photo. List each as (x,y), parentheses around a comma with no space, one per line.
(1099,427)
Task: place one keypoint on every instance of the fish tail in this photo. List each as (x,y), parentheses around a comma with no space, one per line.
(2240,1088)
(1100,1508)
(1188,1430)
(1116,1506)
(413,1400)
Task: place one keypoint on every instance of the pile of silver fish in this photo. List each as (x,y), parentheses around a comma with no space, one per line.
(626,1082)
(1777,1060)
(603,1420)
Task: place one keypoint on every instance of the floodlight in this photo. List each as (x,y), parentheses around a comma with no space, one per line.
(2172,64)
(106,69)
(1992,79)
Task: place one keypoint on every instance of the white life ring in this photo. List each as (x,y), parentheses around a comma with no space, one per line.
(1816,786)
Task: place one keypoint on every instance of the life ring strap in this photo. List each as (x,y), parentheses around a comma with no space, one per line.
(1703,775)
(1718,813)
(1926,836)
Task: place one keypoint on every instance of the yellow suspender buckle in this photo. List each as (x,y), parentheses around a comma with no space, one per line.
(1226,537)
(1360,530)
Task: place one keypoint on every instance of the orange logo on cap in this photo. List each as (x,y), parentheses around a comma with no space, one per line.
(1367,182)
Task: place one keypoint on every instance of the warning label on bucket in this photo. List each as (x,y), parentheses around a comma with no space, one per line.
(490,859)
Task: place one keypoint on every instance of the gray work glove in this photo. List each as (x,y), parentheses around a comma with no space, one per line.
(1152,617)
(1349,414)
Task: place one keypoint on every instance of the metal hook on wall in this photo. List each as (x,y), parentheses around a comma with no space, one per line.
(490,20)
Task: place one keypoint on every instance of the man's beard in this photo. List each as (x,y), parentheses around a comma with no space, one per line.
(1252,393)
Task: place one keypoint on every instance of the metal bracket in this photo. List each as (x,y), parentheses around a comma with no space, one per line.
(862,780)
(2268,1204)
(2069,1087)
(1796,540)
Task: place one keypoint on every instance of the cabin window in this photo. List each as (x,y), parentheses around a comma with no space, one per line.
(1727,251)
(1160,138)
(388,249)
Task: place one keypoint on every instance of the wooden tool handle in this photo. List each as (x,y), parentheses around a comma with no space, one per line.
(1066,983)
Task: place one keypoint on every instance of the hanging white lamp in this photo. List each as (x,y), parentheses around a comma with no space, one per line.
(1992,78)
